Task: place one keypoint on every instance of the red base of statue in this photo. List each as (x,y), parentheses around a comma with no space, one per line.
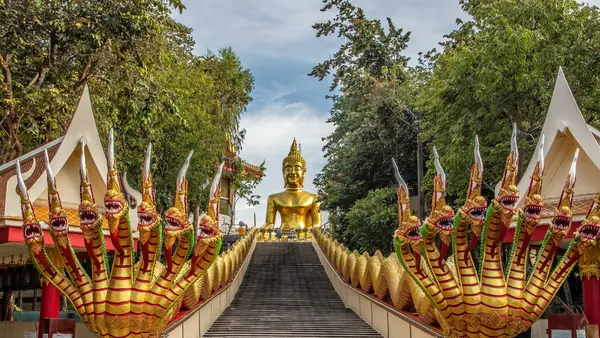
(591,297)
(50,306)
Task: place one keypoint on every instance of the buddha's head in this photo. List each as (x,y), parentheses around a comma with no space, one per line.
(294,168)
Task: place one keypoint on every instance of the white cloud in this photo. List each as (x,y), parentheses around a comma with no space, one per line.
(283,29)
(272,28)
(270,131)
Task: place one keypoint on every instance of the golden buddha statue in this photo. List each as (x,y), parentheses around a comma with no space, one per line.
(297,208)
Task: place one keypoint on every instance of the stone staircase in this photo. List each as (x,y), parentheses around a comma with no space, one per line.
(286,293)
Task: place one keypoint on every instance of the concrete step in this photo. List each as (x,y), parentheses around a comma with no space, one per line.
(286,293)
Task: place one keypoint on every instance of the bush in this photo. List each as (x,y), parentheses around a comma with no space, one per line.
(372,221)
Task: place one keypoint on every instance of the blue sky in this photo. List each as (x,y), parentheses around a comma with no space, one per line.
(275,40)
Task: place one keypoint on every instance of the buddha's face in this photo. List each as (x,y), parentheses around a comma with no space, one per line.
(293,175)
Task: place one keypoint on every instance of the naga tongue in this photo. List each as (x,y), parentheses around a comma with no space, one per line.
(169,260)
(114,238)
(443,251)
(524,246)
(549,256)
(146,254)
(95,261)
(417,255)
(71,261)
(471,246)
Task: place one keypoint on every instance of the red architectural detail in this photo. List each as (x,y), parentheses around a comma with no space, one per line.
(539,232)
(14,234)
(50,306)
(591,295)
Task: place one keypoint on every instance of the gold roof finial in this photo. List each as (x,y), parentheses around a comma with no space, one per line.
(294,156)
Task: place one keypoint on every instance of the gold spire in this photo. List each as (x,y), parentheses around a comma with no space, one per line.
(294,156)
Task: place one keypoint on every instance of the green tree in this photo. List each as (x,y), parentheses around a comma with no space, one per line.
(372,221)
(50,49)
(372,114)
(500,67)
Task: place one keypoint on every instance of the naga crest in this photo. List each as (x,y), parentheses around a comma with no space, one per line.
(475,204)
(442,216)
(149,218)
(409,230)
(177,221)
(561,221)
(89,219)
(209,221)
(509,193)
(58,218)
(534,202)
(32,230)
(114,201)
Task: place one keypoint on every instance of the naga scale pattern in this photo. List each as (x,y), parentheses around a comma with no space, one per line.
(132,299)
(445,285)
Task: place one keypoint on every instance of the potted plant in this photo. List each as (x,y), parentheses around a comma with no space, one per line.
(305,231)
(262,234)
(297,232)
(277,234)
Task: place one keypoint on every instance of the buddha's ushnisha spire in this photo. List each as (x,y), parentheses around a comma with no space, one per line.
(294,156)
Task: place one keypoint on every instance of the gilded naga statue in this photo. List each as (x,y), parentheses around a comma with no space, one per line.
(297,208)
(495,298)
(129,299)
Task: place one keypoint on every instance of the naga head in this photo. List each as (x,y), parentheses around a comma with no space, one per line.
(409,229)
(475,205)
(114,200)
(561,221)
(534,203)
(148,216)
(58,218)
(32,230)
(509,193)
(208,228)
(89,218)
(590,228)
(177,221)
(441,218)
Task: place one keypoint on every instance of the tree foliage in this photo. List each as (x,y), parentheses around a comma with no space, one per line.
(370,127)
(500,67)
(372,221)
(144,79)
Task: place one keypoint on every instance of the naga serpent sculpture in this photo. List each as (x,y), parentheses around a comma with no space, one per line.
(489,302)
(490,299)
(133,300)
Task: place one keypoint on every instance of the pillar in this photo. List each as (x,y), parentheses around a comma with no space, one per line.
(50,306)
(589,266)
